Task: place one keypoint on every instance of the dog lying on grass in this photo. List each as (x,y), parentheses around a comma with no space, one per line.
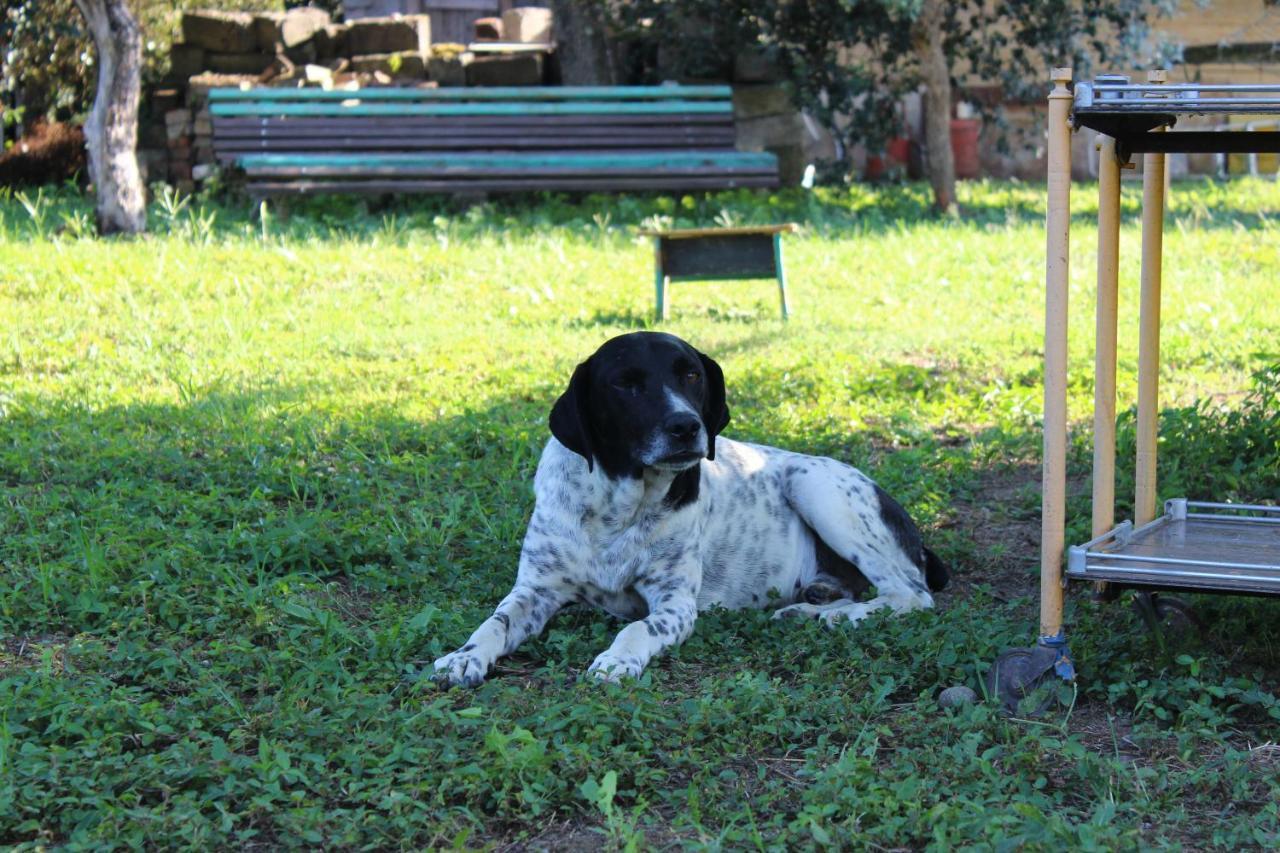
(641,509)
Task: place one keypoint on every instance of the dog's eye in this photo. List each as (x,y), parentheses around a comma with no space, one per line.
(693,377)
(629,385)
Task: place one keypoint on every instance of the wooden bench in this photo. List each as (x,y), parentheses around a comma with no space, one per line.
(713,254)
(389,140)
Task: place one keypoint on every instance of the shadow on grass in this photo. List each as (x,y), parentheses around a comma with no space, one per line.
(107,509)
(104,505)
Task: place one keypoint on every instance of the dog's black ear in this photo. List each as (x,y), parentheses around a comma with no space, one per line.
(570,422)
(715,411)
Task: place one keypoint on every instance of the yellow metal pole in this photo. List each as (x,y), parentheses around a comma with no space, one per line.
(1144,507)
(1104,375)
(1058,226)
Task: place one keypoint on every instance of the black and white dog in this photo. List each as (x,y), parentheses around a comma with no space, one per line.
(642,511)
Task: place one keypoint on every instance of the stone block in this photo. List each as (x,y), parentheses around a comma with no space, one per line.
(754,101)
(186,60)
(527,24)
(331,42)
(199,85)
(266,30)
(407,64)
(368,36)
(767,132)
(163,99)
(177,124)
(449,70)
(302,24)
(219,32)
(819,144)
(488,29)
(791,163)
(517,69)
(240,63)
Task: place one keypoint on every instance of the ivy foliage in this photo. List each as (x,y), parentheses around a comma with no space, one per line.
(849,61)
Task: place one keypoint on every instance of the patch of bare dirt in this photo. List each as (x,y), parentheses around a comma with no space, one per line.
(24,652)
(1002,521)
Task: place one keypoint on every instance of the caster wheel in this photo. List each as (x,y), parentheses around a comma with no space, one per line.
(1023,680)
(1178,616)
(1167,616)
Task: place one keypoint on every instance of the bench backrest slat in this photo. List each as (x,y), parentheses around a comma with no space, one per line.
(521,94)
(362,108)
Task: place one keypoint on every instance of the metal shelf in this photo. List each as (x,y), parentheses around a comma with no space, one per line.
(1115,95)
(1210,547)
(1129,113)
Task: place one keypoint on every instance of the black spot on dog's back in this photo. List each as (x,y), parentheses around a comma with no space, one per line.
(907,536)
(900,525)
(936,573)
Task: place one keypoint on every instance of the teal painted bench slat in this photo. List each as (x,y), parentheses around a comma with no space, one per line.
(494,93)
(361,108)
(467,140)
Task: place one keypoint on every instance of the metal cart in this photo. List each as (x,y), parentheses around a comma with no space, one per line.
(1195,546)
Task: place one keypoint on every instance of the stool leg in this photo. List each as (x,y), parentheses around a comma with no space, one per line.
(1104,384)
(1148,423)
(1054,488)
(782,275)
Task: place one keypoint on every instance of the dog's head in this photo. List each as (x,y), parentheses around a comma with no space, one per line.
(643,400)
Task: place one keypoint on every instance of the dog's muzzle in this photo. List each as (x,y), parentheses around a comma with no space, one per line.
(679,443)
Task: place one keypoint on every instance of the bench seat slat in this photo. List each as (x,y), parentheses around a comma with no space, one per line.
(493,143)
(568,108)
(541,183)
(467,172)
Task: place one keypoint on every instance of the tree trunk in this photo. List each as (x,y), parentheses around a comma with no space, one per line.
(111,131)
(583,47)
(927,38)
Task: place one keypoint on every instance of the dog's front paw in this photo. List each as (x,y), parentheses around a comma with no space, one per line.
(463,667)
(612,668)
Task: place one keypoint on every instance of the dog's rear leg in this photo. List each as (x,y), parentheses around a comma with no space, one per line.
(856,531)
(522,614)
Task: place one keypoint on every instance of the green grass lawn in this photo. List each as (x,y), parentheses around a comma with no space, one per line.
(256,475)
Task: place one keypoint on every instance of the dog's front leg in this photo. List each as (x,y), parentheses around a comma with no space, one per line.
(522,614)
(673,607)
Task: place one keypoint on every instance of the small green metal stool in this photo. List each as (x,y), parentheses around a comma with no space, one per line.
(708,254)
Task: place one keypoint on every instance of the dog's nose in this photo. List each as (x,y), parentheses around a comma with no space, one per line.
(683,427)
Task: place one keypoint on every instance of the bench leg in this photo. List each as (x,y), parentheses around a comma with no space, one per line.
(782,275)
(660,281)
